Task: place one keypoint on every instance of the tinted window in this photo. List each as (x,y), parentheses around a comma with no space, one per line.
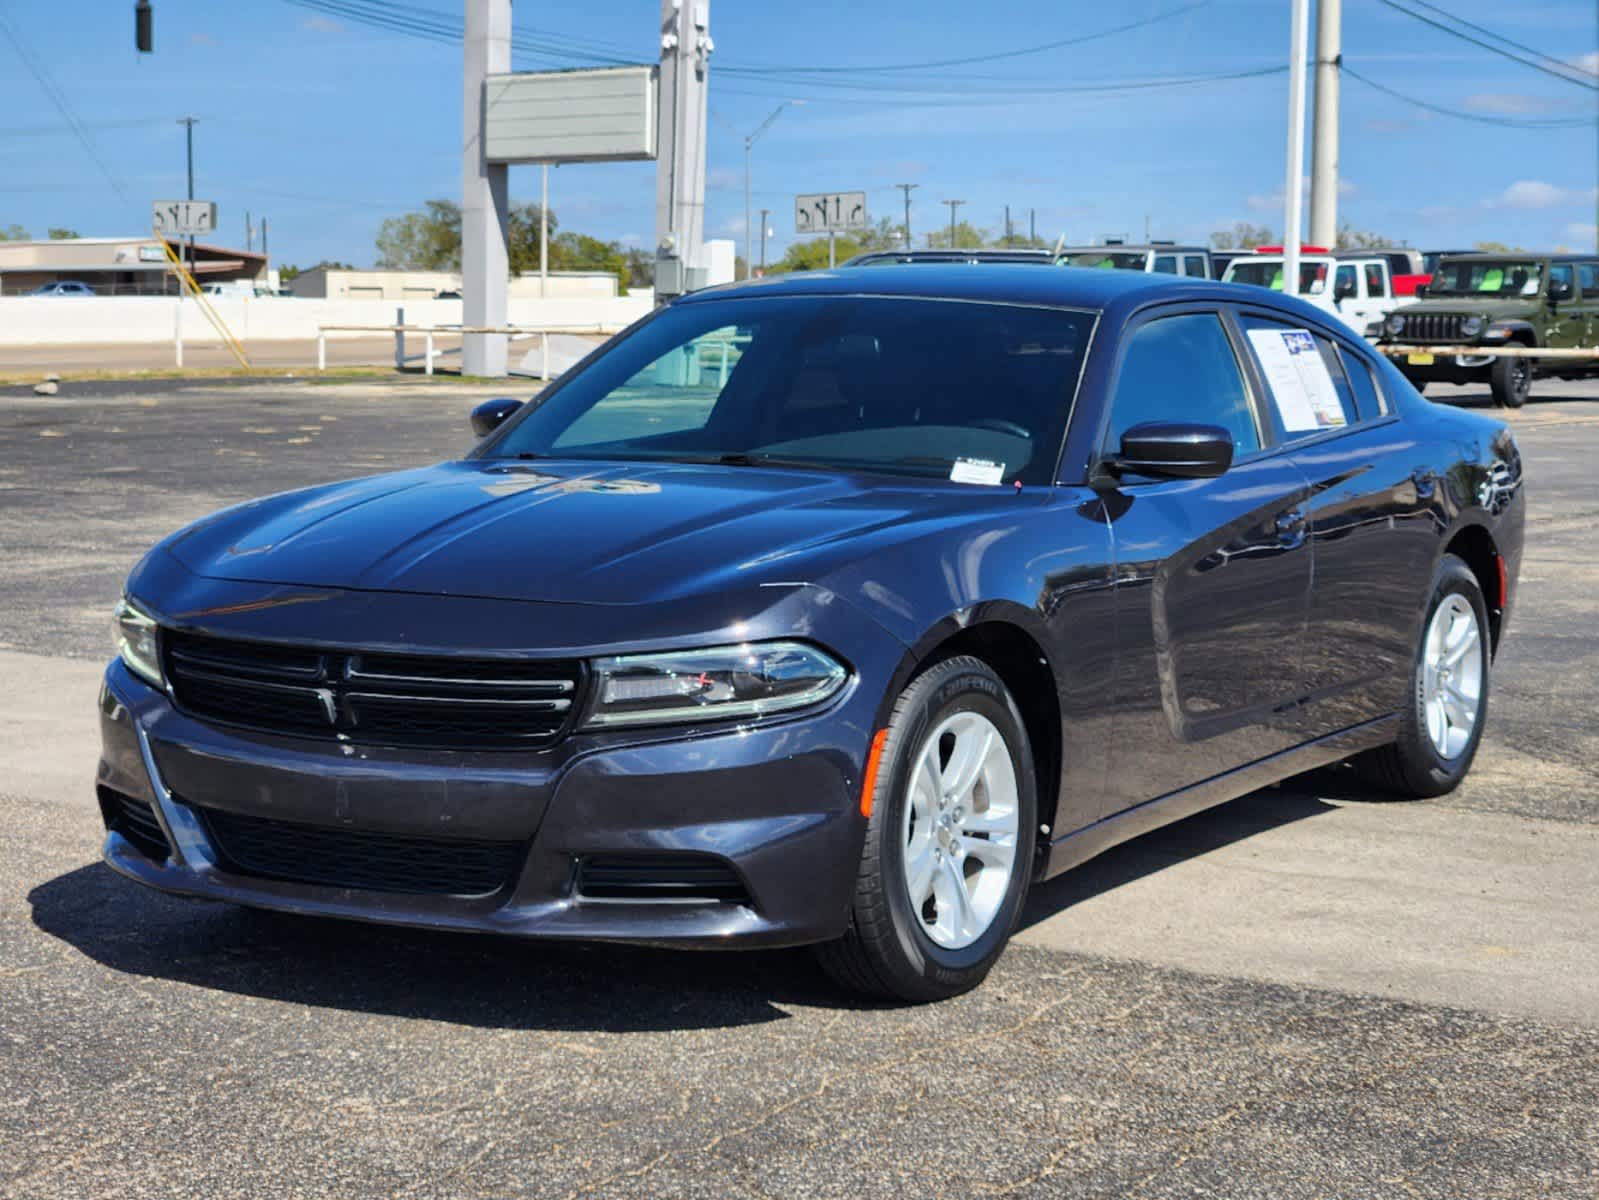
(1166,264)
(1182,369)
(1194,264)
(1588,276)
(1368,400)
(903,386)
(1376,284)
(1344,283)
(1119,260)
(1306,388)
(1498,277)
(1560,276)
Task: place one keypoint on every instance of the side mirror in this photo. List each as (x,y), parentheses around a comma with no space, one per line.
(1343,291)
(491,414)
(1174,450)
(1421,291)
(1559,291)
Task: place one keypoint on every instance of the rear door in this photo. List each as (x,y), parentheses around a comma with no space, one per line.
(1371,512)
(1212,575)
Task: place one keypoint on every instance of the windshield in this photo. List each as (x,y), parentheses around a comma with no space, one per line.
(1268,272)
(933,388)
(1119,260)
(1486,277)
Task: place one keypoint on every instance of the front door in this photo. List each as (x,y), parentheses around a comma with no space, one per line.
(1212,575)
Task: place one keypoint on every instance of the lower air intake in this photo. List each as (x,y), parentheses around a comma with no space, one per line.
(135,820)
(660,877)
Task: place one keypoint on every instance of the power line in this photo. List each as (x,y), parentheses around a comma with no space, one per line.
(973,97)
(763,69)
(1480,118)
(1558,62)
(433,25)
(1498,49)
(42,77)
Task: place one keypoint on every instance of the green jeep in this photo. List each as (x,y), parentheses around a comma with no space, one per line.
(1542,300)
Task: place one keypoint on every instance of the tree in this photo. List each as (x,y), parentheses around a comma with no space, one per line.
(1498,248)
(640,269)
(424,241)
(1243,236)
(523,238)
(13,233)
(63,235)
(289,271)
(967,237)
(579,252)
(1350,238)
(811,255)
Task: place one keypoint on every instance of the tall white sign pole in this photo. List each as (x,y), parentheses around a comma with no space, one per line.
(1324,130)
(1293,221)
(485,199)
(680,141)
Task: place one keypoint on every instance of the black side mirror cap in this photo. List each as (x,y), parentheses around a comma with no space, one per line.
(491,414)
(1559,292)
(1174,450)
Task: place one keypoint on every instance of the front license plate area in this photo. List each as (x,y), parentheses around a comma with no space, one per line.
(1419,360)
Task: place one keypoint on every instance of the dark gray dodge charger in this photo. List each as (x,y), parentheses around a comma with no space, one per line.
(834,609)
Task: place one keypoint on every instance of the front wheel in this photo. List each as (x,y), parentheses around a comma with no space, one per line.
(949,840)
(1510,380)
(1441,725)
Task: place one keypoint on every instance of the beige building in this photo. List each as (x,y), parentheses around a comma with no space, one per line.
(120,266)
(332,283)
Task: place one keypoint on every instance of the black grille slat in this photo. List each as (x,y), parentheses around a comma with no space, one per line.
(136,821)
(381,699)
(377,862)
(657,877)
(1428,328)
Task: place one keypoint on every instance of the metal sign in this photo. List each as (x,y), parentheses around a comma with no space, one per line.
(830,212)
(601,115)
(184,217)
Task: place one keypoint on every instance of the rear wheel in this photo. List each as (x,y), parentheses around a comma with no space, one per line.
(1510,380)
(1448,701)
(949,843)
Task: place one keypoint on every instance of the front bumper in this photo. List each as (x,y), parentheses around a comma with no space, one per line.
(779,803)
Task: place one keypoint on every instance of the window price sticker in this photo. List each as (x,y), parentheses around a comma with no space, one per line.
(977,470)
(1301,386)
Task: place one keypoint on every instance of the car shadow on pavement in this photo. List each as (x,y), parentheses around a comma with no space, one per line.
(1191,837)
(480,980)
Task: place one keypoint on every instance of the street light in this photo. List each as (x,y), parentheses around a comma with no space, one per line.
(749,140)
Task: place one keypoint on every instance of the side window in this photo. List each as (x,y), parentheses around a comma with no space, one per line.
(1560,275)
(1344,283)
(1588,277)
(1166,264)
(1182,368)
(1368,400)
(674,394)
(1194,264)
(1307,390)
(1376,283)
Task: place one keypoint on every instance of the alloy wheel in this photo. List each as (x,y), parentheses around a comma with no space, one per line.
(1452,676)
(959,830)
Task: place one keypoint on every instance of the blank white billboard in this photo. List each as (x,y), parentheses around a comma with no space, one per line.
(601,115)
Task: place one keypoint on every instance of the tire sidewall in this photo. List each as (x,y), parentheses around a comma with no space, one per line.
(1504,381)
(945,693)
(1453,578)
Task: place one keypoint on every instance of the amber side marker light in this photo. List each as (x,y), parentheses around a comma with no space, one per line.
(869,783)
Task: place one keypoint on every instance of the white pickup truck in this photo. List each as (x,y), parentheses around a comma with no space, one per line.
(1360,291)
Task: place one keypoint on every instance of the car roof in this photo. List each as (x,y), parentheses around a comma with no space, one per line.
(1136,247)
(989,254)
(998,283)
(1505,255)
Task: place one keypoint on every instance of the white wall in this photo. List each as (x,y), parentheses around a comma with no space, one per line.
(66,320)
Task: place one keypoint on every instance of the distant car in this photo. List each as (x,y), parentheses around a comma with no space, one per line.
(1431,258)
(1407,268)
(880,258)
(836,608)
(1160,258)
(64,287)
(1361,295)
(447,294)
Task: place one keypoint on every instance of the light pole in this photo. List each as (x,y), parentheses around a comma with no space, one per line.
(189,123)
(953,205)
(764,213)
(749,140)
(907,188)
(1293,218)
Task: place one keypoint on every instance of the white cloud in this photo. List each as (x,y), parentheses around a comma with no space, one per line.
(1513,104)
(1274,202)
(321,24)
(1587,62)
(1585,232)
(1535,193)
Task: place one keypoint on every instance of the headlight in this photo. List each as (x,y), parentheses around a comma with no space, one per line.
(1395,325)
(1471,326)
(752,680)
(136,644)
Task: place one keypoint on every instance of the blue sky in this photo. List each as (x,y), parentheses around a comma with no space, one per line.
(325,125)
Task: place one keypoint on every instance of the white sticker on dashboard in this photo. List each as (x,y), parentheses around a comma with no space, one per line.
(1300,383)
(977,470)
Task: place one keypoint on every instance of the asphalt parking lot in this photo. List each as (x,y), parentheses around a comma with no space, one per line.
(1308,992)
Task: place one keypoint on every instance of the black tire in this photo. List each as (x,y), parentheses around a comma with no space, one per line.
(1411,766)
(1510,380)
(886,950)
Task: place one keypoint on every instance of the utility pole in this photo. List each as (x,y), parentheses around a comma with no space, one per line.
(1324,131)
(485,196)
(907,188)
(685,42)
(764,213)
(1032,225)
(1297,53)
(263,236)
(188,123)
(953,205)
(1007,227)
(249,233)
(544,232)
(749,141)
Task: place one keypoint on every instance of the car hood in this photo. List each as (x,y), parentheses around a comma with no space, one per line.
(1496,306)
(570,532)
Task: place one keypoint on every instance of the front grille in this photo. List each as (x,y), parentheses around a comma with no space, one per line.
(374,862)
(134,820)
(1425,329)
(655,877)
(380,699)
